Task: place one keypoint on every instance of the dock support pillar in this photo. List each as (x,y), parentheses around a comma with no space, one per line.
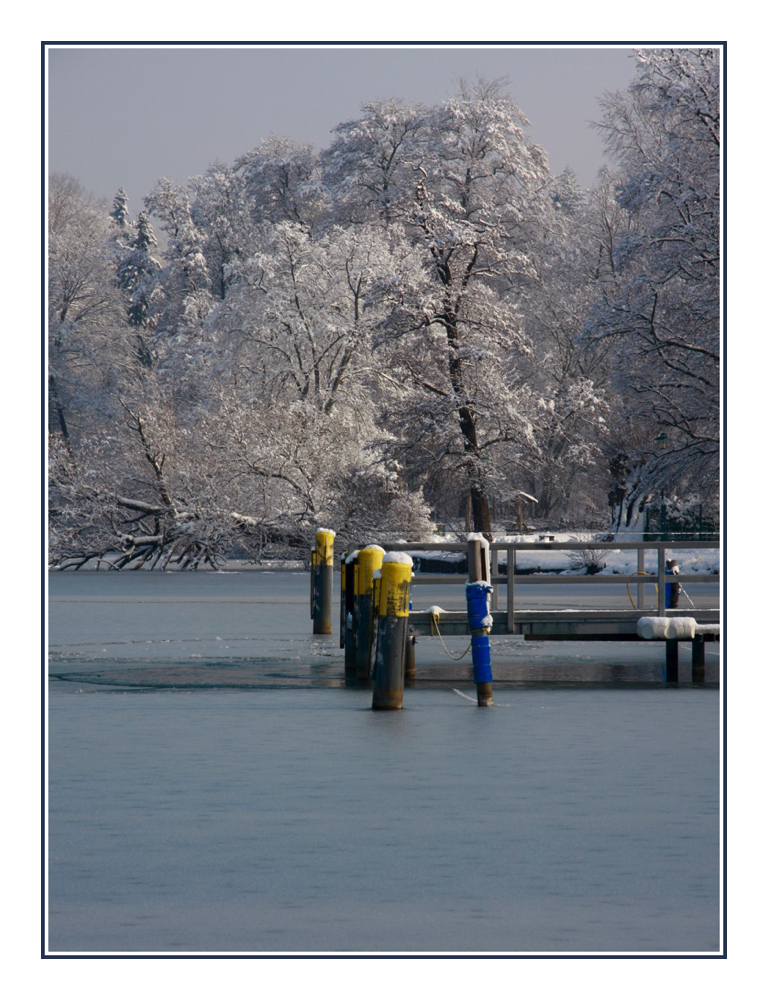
(394,595)
(670,673)
(410,658)
(697,660)
(322,588)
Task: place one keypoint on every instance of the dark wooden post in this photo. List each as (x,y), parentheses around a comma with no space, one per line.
(671,660)
(343,599)
(697,659)
(350,609)
(312,582)
(410,658)
(394,595)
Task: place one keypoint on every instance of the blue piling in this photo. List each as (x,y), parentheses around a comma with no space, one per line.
(479,621)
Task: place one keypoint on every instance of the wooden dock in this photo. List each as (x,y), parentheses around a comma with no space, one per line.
(569,625)
(698,626)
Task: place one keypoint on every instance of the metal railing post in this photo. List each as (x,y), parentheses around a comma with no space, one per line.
(661,603)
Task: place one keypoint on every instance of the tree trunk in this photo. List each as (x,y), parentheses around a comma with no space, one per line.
(59,410)
(481,513)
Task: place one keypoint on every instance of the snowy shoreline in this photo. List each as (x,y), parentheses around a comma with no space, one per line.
(566,563)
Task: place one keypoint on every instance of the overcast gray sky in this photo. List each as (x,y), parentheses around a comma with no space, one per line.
(120,116)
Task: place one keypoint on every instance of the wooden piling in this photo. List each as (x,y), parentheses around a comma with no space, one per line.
(477,558)
(322,590)
(394,594)
(368,561)
(479,571)
(312,582)
(410,658)
(342,598)
(350,611)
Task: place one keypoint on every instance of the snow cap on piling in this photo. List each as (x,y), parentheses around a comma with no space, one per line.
(476,536)
(398,557)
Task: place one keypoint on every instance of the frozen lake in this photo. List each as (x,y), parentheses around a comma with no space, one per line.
(214,786)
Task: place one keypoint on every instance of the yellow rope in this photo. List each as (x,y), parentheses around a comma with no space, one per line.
(435,620)
(640,572)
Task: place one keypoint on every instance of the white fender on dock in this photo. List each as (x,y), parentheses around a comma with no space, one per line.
(666,628)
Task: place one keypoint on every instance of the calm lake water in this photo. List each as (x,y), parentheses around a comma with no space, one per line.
(215,786)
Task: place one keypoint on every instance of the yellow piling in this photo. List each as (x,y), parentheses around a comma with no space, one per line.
(394,595)
(323,581)
(368,561)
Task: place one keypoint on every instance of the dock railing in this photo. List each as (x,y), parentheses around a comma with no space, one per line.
(641,578)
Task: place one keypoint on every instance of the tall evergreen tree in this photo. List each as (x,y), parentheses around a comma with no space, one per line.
(120,209)
(136,270)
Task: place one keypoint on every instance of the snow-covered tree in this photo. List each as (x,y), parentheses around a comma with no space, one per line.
(221,212)
(136,269)
(368,169)
(281,178)
(661,307)
(563,465)
(475,196)
(183,291)
(139,496)
(120,209)
(419,317)
(84,309)
(302,319)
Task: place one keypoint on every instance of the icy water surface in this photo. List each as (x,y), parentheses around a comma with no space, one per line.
(214,786)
